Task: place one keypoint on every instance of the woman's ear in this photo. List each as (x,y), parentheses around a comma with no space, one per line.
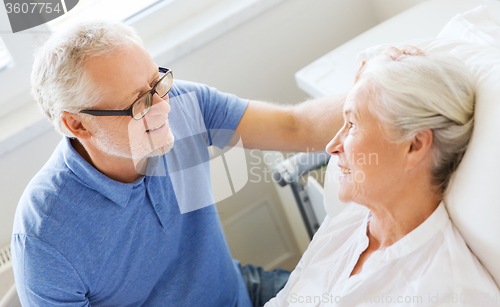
(418,148)
(75,125)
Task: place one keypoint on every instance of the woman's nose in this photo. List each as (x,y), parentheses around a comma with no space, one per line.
(335,146)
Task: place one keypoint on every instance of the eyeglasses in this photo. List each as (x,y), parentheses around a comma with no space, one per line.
(141,106)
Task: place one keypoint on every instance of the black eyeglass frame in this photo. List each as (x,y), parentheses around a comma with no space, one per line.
(128,111)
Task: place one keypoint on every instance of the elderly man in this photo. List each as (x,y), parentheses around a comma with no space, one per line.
(117,217)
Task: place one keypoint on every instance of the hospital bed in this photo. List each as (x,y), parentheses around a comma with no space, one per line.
(309,197)
(473,199)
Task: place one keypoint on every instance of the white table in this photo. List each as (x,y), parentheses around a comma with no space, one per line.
(334,72)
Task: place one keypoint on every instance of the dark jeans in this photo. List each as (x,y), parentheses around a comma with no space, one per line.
(263,286)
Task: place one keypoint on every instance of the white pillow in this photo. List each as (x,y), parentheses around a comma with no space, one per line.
(473,201)
(473,198)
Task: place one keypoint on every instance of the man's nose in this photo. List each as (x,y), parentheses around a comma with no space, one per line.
(161,104)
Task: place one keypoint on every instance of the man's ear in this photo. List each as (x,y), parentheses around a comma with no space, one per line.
(75,125)
(418,148)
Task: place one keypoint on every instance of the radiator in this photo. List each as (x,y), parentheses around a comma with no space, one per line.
(8,294)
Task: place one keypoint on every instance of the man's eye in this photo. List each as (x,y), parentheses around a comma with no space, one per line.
(350,125)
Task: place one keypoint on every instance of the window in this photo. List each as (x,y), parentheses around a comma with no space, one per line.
(16,50)
(169,29)
(86,9)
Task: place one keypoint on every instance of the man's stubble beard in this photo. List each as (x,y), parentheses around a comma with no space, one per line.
(131,150)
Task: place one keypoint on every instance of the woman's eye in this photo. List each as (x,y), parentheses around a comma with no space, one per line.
(350,125)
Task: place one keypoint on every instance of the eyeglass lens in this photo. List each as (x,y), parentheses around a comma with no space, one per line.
(142,107)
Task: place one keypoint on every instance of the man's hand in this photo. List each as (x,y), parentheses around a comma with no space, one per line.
(397,54)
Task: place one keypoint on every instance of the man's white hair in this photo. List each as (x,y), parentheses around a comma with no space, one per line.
(58,79)
(423,92)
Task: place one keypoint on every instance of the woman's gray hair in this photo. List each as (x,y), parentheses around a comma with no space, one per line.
(422,92)
(58,79)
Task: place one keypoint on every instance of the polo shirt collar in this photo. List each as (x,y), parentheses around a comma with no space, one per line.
(117,192)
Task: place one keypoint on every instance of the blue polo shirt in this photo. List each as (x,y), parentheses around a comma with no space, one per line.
(83,239)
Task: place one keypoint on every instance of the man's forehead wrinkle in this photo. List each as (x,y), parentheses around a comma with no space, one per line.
(101,78)
(122,74)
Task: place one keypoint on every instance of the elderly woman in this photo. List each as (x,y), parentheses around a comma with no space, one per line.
(414,113)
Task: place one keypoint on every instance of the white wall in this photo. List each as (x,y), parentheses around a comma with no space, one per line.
(17,168)
(384,9)
(256,60)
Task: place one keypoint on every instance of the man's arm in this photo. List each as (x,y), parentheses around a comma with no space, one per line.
(308,126)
